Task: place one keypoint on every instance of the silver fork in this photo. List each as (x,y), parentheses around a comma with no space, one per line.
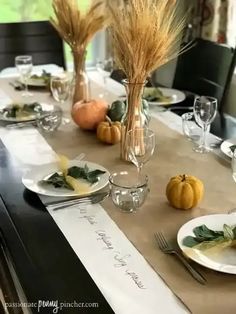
(87,200)
(165,247)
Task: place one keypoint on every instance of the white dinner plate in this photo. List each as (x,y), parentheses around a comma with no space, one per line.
(45,108)
(222,261)
(32,178)
(225,147)
(175,95)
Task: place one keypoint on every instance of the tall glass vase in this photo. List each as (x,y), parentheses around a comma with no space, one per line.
(81,84)
(135,117)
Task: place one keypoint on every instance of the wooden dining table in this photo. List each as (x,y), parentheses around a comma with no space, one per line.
(46,264)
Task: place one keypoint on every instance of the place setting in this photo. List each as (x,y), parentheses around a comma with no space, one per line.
(65,183)
(162,96)
(28,111)
(30,78)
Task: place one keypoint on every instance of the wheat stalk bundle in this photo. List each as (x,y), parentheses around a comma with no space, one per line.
(146,34)
(76,25)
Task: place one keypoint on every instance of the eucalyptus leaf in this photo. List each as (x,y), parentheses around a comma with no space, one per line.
(58,180)
(77,172)
(93,176)
(232,148)
(204,233)
(234,231)
(190,241)
(206,238)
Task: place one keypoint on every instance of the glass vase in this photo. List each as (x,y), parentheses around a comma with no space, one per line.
(81,90)
(136,116)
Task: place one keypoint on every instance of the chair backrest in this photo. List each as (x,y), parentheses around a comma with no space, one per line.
(204,69)
(38,39)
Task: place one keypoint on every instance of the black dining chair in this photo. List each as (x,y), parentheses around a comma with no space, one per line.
(205,69)
(38,39)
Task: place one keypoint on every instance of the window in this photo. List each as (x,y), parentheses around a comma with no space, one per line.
(36,10)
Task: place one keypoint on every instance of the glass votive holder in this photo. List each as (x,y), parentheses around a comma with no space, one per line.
(128,191)
(190,128)
(49,121)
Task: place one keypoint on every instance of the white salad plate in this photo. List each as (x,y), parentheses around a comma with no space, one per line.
(29,117)
(225,146)
(175,95)
(223,260)
(31,179)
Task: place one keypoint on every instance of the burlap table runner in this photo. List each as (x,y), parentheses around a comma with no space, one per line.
(173,155)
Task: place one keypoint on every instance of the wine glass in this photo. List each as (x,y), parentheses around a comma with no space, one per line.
(233,164)
(60,88)
(205,109)
(24,66)
(105,68)
(141,145)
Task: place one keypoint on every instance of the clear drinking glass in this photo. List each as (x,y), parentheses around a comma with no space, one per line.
(205,109)
(190,128)
(24,66)
(141,145)
(128,192)
(49,121)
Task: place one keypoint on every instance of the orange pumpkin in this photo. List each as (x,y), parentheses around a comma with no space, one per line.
(88,114)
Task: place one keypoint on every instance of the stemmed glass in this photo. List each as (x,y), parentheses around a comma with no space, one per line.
(24,66)
(205,109)
(233,164)
(141,145)
(105,68)
(60,88)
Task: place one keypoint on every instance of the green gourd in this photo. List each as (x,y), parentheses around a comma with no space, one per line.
(118,109)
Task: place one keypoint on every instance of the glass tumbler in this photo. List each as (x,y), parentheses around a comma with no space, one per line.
(128,190)
(190,128)
(49,121)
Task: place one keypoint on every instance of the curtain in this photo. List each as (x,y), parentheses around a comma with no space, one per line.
(213,20)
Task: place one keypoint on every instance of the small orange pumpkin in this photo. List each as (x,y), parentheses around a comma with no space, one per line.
(184,191)
(109,132)
(88,114)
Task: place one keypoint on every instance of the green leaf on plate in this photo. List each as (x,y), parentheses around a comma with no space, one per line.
(232,148)
(204,233)
(59,181)
(190,241)
(206,238)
